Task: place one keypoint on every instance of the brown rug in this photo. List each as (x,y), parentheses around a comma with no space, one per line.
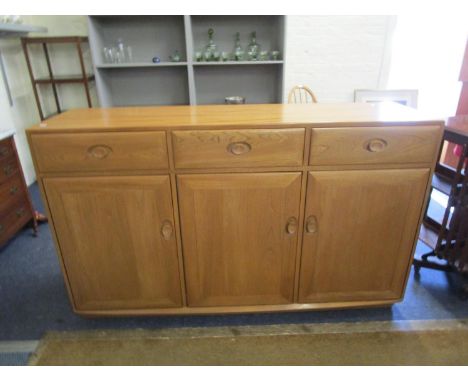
(372,343)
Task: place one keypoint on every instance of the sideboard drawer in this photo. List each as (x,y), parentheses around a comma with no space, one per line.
(100,151)
(238,148)
(368,145)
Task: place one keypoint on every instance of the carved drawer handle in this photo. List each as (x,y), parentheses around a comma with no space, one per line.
(99,151)
(20,212)
(13,190)
(376,145)
(239,148)
(311,224)
(167,230)
(291,226)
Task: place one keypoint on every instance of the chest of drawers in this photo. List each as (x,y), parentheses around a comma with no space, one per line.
(15,205)
(216,209)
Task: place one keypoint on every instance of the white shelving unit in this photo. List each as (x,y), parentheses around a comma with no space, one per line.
(143,82)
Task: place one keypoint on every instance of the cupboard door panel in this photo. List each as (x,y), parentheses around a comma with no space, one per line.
(239,236)
(116,236)
(359,232)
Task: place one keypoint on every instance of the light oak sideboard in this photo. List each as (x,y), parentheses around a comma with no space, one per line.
(244,208)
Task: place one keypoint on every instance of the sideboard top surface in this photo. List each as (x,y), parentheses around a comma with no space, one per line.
(239,116)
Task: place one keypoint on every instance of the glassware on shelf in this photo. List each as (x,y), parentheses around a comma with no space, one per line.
(175,57)
(253,49)
(275,55)
(211,52)
(264,55)
(238,52)
(225,56)
(118,54)
(198,56)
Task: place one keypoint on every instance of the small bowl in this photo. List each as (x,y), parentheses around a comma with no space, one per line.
(234,100)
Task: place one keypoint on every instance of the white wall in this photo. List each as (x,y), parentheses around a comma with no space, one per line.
(23,113)
(427,55)
(334,55)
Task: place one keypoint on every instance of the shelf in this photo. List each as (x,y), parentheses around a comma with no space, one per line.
(139,65)
(221,63)
(10,30)
(146,86)
(56,40)
(442,184)
(258,84)
(69,79)
(428,236)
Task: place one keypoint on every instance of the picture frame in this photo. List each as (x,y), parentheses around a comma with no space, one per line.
(406,97)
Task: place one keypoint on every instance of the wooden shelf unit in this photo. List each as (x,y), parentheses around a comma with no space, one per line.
(200,82)
(83,78)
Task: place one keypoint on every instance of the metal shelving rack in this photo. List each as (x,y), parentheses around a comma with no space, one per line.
(53,80)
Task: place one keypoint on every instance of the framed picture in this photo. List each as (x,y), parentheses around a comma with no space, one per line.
(407,97)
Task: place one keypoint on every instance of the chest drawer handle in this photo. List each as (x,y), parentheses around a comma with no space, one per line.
(291,226)
(239,148)
(4,151)
(376,145)
(8,169)
(20,212)
(13,190)
(311,224)
(99,151)
(167,230)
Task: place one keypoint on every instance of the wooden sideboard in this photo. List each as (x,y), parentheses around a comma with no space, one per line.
(16,209)
(245,208)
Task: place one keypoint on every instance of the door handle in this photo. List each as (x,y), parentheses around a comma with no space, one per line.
(311,225)
(167,230)
(291,226)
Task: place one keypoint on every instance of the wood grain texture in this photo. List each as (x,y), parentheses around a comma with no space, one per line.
(236,116)
(109,233)
(100,151)
(238,148)
(236,245)
(236,194)
(360,229)
(366,145)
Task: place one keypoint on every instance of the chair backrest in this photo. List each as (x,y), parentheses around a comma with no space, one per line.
(301,94)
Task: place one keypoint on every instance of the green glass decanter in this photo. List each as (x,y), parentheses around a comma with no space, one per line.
(253,49)
(211,52)
(238,52)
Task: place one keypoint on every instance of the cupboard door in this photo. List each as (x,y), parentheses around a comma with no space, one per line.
(359,231)
(117,240)
(239,237)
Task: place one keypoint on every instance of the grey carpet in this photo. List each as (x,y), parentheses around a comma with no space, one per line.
(33,298)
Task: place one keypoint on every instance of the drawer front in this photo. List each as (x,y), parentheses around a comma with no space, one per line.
(10,192)
(368,145)
(100,151)
(8,168)
(238,148)
(13,219)
(6,148)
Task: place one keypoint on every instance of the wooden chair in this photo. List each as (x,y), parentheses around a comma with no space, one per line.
(301,94)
